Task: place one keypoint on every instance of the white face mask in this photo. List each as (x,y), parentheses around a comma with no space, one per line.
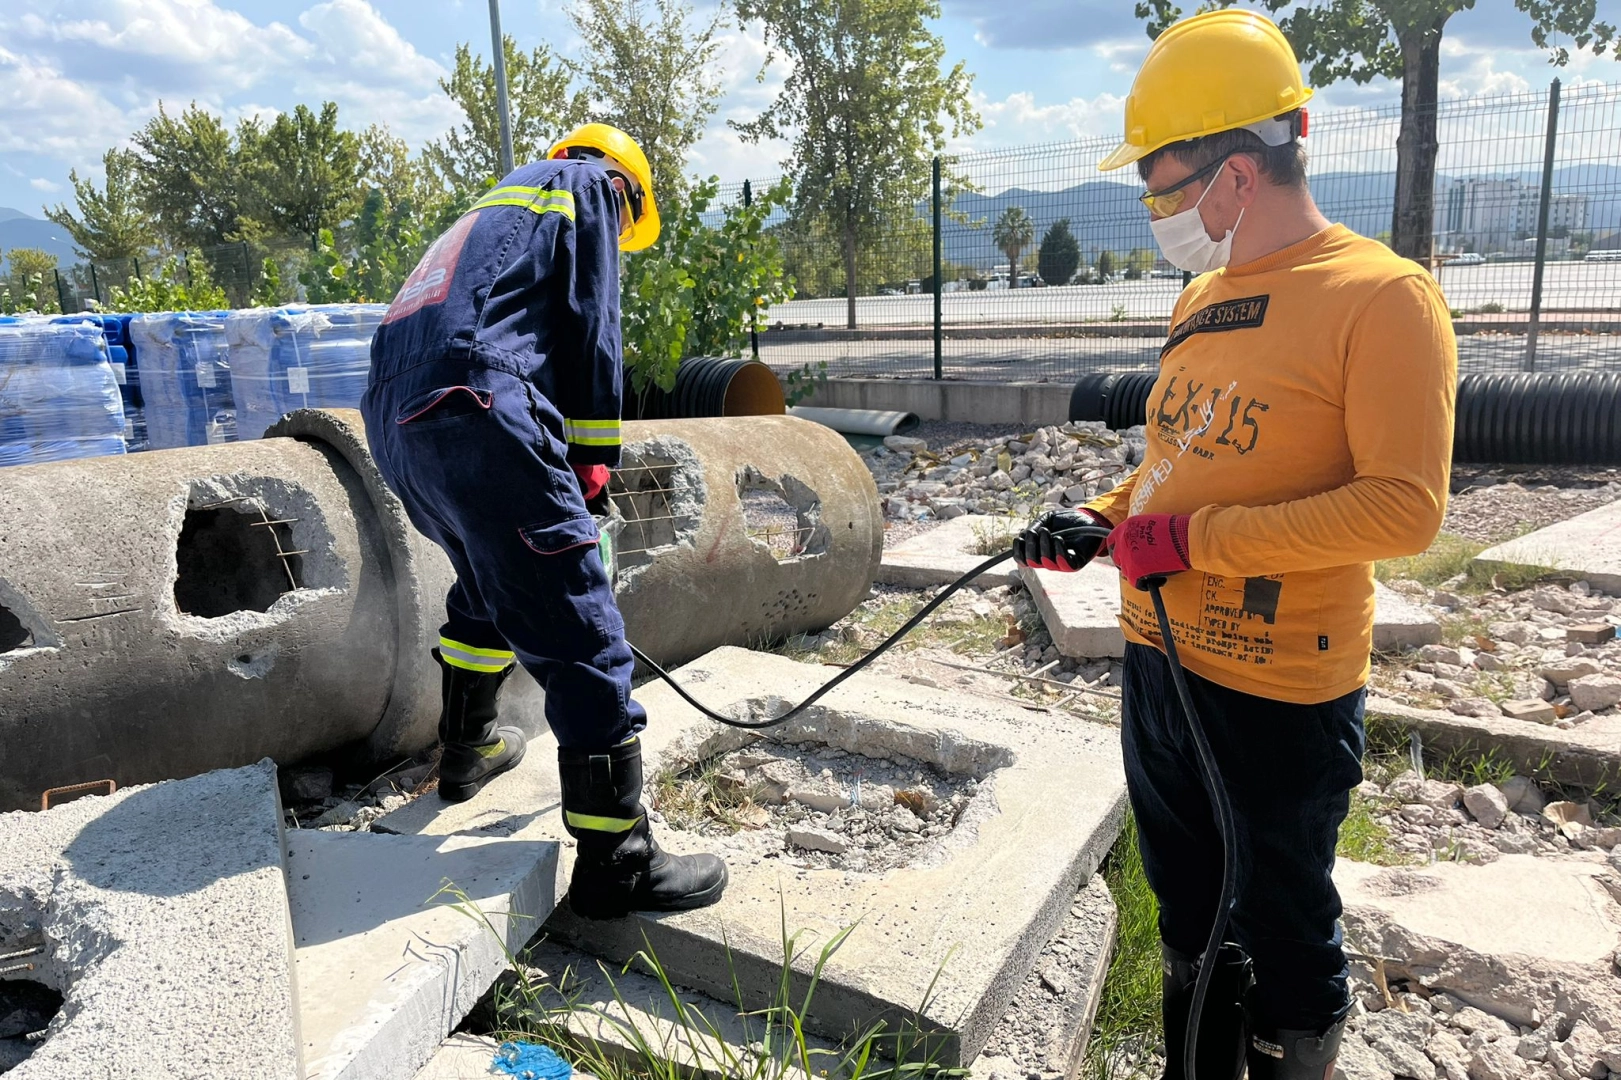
(1187,246)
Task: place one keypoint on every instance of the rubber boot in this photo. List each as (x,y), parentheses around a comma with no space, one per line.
(620,868)
(1284,1054)
(475,750)
(1221,1022)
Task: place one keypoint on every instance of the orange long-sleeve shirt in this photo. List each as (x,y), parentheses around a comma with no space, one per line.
(1303,417)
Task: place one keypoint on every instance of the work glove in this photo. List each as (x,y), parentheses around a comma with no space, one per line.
(1042,545)
(1148,546)
(594,486)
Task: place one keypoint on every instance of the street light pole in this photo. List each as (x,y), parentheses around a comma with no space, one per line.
(500,54)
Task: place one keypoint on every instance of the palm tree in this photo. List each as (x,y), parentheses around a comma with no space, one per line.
(1013,233)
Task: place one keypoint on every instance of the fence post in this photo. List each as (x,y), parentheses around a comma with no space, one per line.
(939,273)
(754,306)
(95,286)
(61,299)
(1530,363)
(137,264)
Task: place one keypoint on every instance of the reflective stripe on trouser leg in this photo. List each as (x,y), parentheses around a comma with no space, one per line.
(471,658)
(600,824)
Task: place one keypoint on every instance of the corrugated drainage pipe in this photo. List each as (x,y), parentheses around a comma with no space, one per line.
(873,422)
(1525,419)
(712,386)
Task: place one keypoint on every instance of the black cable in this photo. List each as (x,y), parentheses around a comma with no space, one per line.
(1218,790)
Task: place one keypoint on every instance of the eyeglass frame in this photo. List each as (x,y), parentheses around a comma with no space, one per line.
(1204,172)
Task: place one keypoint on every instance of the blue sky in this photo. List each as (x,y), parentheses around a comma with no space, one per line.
(77,76)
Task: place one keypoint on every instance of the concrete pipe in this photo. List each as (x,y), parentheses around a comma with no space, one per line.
(168,613)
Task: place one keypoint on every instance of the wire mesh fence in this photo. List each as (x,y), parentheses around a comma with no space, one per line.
(264,271)
(1049,269)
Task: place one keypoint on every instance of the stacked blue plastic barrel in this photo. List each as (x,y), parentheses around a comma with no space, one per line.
(298,358)
(185,378)
(59,398)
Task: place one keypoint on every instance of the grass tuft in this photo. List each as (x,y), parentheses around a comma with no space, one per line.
(1448,557)
(1128,1021)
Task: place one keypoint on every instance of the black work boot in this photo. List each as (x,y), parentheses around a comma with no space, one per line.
(619,868)
(1221,1022)
(474,748)
(1284,1054)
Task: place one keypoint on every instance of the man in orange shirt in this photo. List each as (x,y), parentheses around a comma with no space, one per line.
(1299,430)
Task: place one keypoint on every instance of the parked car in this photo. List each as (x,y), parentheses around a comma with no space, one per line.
(1468,258)
(1611,255)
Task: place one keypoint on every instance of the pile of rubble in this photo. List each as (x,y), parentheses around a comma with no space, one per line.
(1055,466)
(1548,655)
(817,806)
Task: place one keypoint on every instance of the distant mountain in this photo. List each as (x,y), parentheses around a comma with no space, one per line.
(19,230)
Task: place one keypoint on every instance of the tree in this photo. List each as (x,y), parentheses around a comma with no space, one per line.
(1060,255)
(1401,39)
(178,285)
(539,99)
(30,281)
(866,105)
(111,223)
(306,171)
(187,178)
(650,71)
(1139,263)
(1013,233)
(1106,266)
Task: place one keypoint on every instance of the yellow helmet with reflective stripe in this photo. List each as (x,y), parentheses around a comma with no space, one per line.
(625,157)
(1213,72)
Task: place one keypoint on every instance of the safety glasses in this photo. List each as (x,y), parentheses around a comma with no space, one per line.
(1163,204)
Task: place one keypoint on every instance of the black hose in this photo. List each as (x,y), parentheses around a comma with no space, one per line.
(1218,790)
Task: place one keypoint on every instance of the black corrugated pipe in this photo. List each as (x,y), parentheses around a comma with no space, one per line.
(1523,419)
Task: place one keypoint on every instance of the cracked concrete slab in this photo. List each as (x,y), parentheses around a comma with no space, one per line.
(977,911)
(1588,755)
(1082,610)
(162,912)
(388,961)
(947,552)
(1588,545)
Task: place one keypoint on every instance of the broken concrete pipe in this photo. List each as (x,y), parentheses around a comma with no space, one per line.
(169,613)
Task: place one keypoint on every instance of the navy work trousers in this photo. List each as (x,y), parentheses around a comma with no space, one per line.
(1289,770)
(472,453)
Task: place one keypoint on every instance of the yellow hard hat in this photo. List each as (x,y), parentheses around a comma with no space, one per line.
(624,156)
(1213,72)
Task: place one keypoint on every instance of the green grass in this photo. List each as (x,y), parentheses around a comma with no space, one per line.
(702,792)
(1128,1017)
(995,537)
(963,633)
(1448,557)
(1364,839)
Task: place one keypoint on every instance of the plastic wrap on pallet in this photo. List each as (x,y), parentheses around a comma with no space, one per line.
(58,397)
(297,358)
(185,378)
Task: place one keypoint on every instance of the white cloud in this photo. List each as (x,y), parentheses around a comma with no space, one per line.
(40,183)
(744,95)
(1019,119)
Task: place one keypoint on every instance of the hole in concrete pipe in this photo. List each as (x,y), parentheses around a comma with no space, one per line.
(229,560)
(784,518)
(13,634)
(26,1008)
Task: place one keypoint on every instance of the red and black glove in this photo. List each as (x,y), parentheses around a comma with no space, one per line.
(594,486)
(1150,545)
(1045,546)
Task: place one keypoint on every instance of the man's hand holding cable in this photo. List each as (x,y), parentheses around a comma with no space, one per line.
(1147,546)
(1046,545)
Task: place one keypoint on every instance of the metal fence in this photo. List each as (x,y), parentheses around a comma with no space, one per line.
(249,272)
(1516,207)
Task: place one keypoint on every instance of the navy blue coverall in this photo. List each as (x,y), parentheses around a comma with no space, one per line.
(496,369)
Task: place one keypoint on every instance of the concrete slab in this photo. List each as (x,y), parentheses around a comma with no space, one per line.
(947,552)
(1082,613)
(1586,756)
(1588,545)
(1554,909)
(978,910)
(387,964)
(461,1057)
(162,912)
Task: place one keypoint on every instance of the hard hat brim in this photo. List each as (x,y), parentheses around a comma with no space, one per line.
(1126,152)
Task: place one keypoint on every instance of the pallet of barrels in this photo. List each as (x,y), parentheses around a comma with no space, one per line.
(314,357)
(59,398)
(185,379)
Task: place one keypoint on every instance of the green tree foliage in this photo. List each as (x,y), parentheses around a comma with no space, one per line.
(305,171)
(813,255)
(181,284)
(1401,39)
(30,282)
(701,288)
(540,101)
(111,223)
(1107,266)
(865,105)
(1060,255)
(1012,233)
(188,179)
(650,70)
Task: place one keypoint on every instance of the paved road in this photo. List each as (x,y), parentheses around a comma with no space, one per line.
(1034,359)
(1566,286)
